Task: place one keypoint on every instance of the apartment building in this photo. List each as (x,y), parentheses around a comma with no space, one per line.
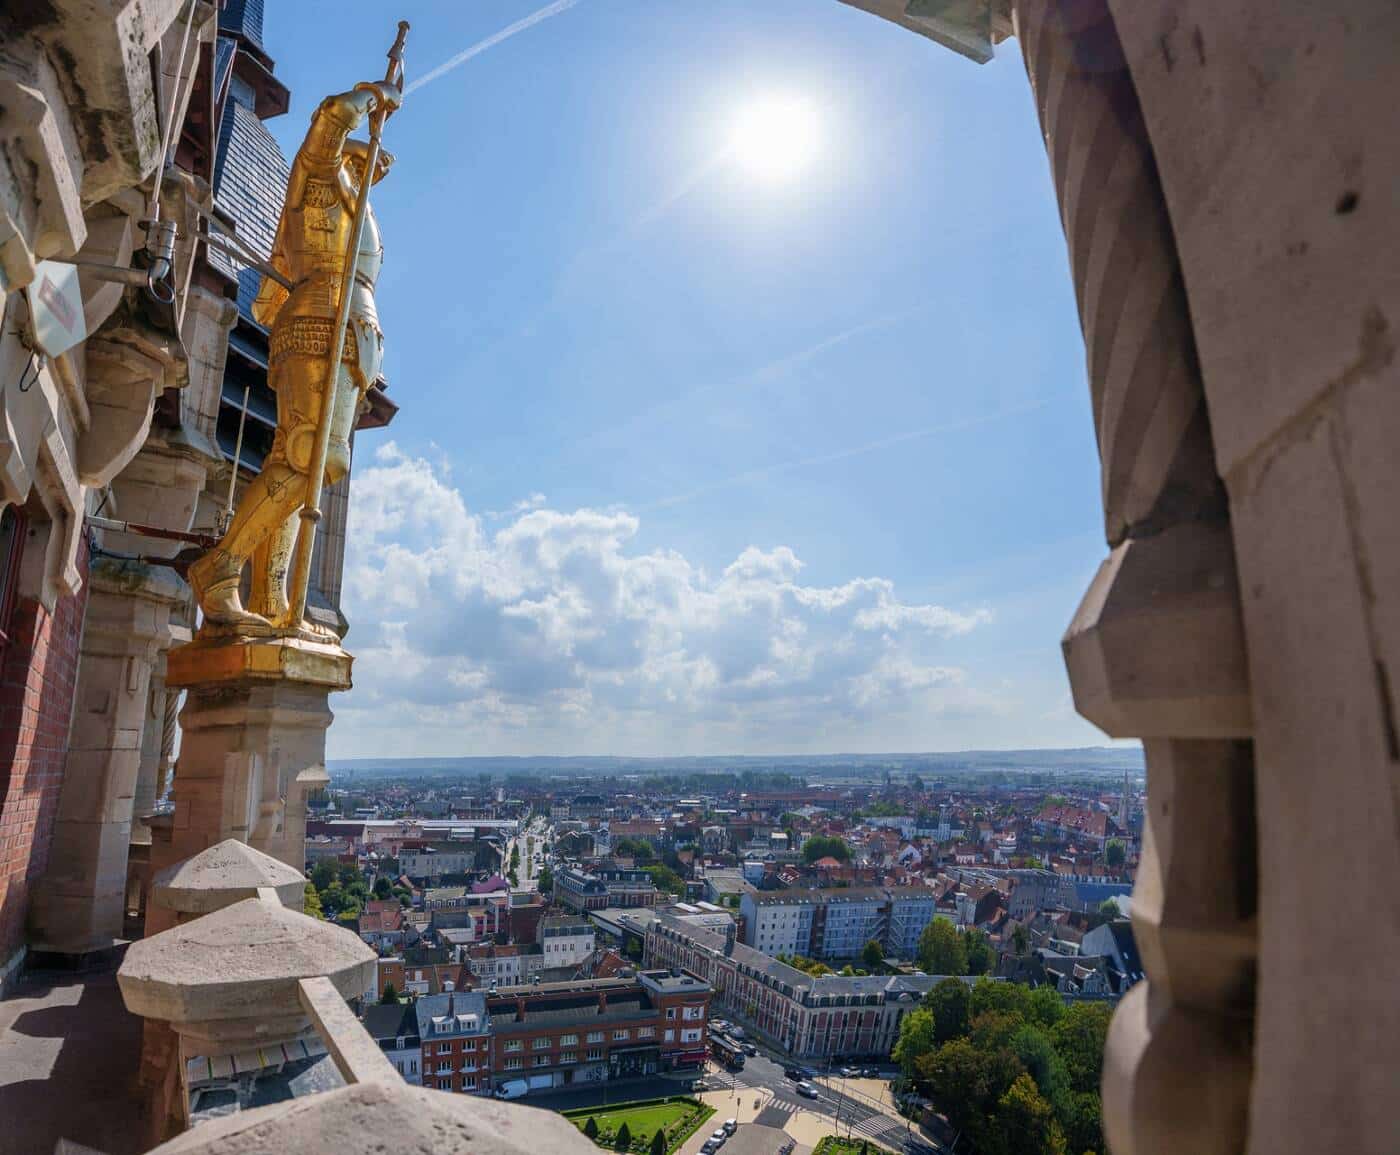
(590,1031)
(566,940)
(816,1018)
(837,923)
(605,885)
(455,1037)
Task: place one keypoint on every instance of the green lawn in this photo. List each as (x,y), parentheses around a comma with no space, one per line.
(679,1117)
(834,1146)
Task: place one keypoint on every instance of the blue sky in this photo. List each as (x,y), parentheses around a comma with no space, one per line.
(692,458)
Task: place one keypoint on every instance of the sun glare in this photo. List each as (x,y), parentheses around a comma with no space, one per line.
(775,138)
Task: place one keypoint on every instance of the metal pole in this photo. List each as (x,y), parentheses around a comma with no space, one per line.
(311,510)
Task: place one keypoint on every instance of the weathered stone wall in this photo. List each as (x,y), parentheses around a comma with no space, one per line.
(38,675)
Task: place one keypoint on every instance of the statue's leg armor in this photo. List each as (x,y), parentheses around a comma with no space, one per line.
(268,594)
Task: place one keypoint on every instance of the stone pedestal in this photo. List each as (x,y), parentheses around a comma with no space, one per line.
(253,742)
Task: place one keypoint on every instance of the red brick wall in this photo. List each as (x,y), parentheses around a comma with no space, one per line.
(38,674)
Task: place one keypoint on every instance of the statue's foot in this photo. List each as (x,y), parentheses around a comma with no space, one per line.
(215,579)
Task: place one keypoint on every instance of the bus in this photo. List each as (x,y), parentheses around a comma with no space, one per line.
(727,1051)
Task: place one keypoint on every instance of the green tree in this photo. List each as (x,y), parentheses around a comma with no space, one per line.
(1020,939)
(323,874)
(1044,1006)
(980,955)
(545,880)
(1083,1123)
(873,955)
(941,949)
(623,1140)
(916,1039)
(634,848)
(1005,998)
(1025,1123)
(590,1127)
(383,888)
(348,874)
(948,1003)
(658,1143)
(311,902)
(965,1083)
(1115,853)
(825,846)
(1043,1063)
(389,995)
(514,857)
(666,879)
(1079,1037)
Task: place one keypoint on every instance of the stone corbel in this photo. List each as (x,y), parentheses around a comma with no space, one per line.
(62,498)
(41,143)
(128,364)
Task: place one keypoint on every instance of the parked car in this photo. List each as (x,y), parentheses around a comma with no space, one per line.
(850,1072)
(808,1072)
(717,1138)
(872,1073)
(709,1147)
(737,1032)
(730,1126)
(513,1089)
(807,1089)
(794,1073)
(748,1048)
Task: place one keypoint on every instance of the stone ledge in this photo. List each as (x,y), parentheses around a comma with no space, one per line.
(384,1116)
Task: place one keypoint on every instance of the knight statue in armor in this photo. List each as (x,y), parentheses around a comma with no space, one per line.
(310,251)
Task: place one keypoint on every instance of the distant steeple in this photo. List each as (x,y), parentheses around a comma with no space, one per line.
(1123,803)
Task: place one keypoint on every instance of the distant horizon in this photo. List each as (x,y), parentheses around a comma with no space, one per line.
(1126,748)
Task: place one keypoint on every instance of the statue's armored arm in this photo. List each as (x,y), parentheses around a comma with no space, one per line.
(338,116)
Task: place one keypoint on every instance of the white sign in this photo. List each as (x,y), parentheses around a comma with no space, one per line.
(56,308)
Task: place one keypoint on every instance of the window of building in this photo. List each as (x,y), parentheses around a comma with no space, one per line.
(542,1043)
(568,1057)
(514,1064)
(541,1060)
(514,1045)
(595,1036)
(646,1032)
(692,1036)
(670,1036)
(444,1084)
(622,1035)
(568,1040)
(469,1083)
(693,1013)
(594,1054)
(670,1013)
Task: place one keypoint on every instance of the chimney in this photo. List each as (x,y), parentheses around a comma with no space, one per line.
(602,1002)
(520,1008)
(451,1001)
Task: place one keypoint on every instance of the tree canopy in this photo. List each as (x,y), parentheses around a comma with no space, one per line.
(941,949)
(873,954)
(1115,853)
(825,846)
(1009,1066)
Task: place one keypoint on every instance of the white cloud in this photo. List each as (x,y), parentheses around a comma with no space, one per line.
(552,633)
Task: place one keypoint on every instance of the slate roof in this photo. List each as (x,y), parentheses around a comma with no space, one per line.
(250,182)
(386,1023)
(243,18)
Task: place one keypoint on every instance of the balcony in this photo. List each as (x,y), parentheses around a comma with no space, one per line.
(248,1042)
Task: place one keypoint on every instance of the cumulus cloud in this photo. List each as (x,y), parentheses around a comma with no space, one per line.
(554,632)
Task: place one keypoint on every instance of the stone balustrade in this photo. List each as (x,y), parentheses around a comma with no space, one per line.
(239,967)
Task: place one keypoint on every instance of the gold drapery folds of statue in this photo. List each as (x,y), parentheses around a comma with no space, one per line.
(311,251)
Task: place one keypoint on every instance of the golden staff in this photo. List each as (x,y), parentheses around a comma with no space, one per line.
(311,510)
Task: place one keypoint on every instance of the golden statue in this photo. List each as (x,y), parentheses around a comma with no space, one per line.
(326,213)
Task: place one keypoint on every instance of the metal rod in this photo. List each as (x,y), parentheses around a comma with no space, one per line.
(311,510)
(225,243)
(135,527)
(237,454)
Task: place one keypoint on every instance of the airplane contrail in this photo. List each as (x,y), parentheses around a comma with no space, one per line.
(765,471)
(491,41)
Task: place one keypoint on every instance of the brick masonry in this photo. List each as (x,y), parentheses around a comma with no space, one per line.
(38,675)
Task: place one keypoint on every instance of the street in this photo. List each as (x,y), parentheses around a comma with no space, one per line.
(850,1112)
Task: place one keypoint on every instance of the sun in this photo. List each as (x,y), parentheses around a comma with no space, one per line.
(774,138)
